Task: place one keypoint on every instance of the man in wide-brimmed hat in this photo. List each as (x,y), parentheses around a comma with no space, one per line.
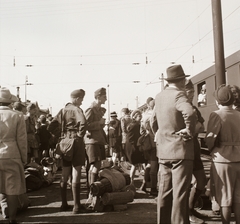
(13,154)
(176,120)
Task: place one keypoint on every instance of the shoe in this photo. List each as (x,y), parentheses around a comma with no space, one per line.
(194,219)
(65,208)
(81,209)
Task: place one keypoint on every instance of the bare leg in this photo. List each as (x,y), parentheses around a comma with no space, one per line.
(132,173)
(76,175)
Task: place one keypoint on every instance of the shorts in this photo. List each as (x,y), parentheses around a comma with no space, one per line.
(78,154)
(226,181)
(95,152)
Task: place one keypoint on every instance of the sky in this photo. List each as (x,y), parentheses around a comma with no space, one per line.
(124,46)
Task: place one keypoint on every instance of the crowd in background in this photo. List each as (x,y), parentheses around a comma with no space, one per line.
(171,163)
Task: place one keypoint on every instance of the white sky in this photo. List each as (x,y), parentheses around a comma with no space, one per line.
(89,44)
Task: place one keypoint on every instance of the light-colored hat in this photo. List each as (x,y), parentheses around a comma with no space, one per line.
(6,96)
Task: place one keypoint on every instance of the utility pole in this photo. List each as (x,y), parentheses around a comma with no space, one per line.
(218,42)
(108,104)
(18,92)
(26,84)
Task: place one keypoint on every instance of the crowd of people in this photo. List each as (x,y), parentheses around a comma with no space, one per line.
(162,141)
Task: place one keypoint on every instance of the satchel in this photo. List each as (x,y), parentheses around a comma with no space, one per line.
(144,143)
(65,148)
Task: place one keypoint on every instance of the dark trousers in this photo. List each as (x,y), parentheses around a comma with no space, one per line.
(174,183)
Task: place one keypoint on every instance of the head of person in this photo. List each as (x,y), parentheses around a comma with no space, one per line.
(149,99)
(77,97)
(17,106)
(100,95)
(189,88)
(32,109)
(49,117)
(151,104)
(176,76)
(113,115)
(236,93)
(224,95)
(6,98)
(42,119)
(103,110)
(125,111)
(203,88)
(136,115)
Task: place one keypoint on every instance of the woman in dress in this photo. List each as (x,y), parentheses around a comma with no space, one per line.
(13,152)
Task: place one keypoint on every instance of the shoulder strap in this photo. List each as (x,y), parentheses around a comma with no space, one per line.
(62,122)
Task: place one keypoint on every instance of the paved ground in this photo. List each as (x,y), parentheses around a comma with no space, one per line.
(45,204)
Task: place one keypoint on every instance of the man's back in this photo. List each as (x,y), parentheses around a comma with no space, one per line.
(173,113)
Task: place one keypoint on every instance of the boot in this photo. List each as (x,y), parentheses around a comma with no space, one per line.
(63,189)
(194,216)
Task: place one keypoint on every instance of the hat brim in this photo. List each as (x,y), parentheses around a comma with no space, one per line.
(11,100)
(176,78)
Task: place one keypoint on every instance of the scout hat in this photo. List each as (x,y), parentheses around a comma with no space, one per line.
(175,72)
(6,96)
(224,95)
